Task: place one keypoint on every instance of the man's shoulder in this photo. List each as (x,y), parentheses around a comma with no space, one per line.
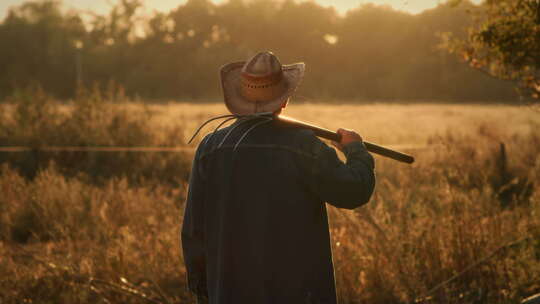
(274,135)
(302,140)
(306,139)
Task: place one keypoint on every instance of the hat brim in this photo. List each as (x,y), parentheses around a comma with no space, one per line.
(239,105)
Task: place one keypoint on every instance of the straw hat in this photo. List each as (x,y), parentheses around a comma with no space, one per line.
(260,84)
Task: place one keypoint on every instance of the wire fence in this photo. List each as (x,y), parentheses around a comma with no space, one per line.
(16,149)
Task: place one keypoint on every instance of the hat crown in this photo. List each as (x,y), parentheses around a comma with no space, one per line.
(262,64)
(260,84)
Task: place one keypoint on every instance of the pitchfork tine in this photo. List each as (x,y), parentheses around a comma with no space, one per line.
(206,122)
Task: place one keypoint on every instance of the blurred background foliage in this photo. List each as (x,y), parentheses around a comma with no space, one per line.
(370,53)
(505,43)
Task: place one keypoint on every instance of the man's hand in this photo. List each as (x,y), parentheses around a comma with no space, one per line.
(347,137)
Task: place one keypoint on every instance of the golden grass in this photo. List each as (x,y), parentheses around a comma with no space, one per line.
(389,124)
(466,208)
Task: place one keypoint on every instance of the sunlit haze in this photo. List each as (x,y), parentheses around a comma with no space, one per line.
(102,6)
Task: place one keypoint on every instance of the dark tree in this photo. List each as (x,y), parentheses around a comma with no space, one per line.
(505,43)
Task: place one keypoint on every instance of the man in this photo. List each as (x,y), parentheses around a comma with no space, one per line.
(255,226)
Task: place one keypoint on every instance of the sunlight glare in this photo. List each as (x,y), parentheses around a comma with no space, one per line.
(331,39)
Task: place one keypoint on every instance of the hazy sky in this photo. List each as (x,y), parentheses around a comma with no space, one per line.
(102,6)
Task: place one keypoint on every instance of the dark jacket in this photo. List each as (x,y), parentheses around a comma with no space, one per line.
(255,225)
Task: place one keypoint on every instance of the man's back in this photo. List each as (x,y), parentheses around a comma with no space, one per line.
(256,228)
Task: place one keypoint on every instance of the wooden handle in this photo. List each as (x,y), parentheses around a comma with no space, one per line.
(331,135)
(393,154)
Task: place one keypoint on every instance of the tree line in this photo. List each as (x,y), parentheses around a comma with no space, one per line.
(370,53)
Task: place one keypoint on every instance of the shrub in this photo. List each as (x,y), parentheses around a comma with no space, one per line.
(91,121)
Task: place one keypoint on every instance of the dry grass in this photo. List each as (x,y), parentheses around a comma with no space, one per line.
(65,241)
(466,209)
(394,124)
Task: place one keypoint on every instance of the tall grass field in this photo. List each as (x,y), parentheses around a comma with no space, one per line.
(460,225)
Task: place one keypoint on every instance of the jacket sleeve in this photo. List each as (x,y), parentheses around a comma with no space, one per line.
(344,185)
(193,233)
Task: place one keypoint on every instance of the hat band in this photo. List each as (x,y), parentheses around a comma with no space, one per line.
(259,86)
(263,92)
